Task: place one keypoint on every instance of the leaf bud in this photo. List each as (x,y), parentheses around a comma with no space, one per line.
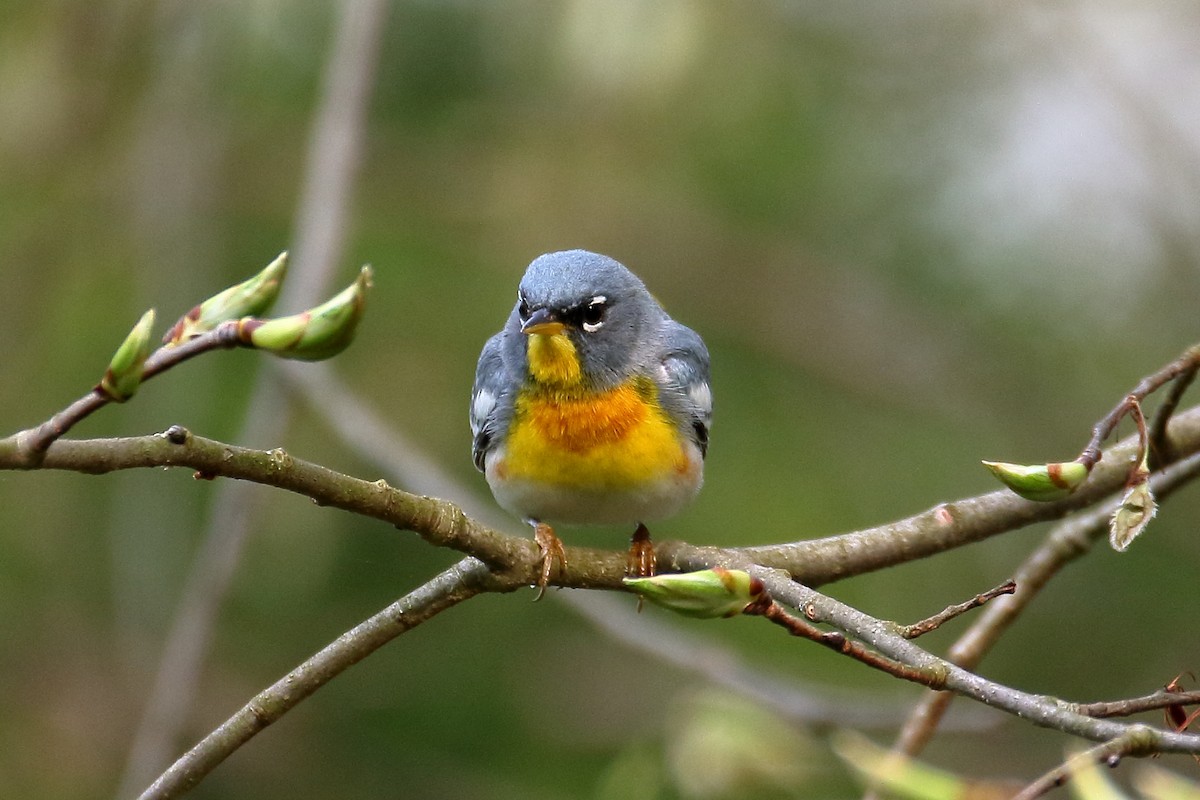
(249,298)
(315,334)
(1041,482)
(124,373)
(716,592)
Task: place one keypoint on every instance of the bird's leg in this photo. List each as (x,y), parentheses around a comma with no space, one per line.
(552,550)
(641,561)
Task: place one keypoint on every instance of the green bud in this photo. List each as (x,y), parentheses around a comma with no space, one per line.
(247,299)
(312,335)
(715,592)
(1040,482)
(124,373)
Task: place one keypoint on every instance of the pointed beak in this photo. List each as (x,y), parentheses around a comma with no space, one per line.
(543,321)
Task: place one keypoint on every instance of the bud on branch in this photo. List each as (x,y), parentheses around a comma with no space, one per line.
(315,334)
(247,299)
(1041,482)
(124,373)
(709,593)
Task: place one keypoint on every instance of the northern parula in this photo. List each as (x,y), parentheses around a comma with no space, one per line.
(591,405)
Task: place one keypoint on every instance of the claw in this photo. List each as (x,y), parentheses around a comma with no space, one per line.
(552,550)
(641,560)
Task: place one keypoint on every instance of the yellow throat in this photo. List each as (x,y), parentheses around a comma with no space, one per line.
(553,360)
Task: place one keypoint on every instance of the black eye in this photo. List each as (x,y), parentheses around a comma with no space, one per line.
(522,308)
(593,314)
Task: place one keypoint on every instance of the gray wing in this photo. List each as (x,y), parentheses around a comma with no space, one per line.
(685,362)
(488,399)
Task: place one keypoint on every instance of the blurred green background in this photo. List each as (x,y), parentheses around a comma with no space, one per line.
(913,236)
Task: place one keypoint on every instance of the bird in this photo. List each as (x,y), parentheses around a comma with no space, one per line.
(590,406)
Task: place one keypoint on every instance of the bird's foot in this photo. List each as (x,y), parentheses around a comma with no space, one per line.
(552,550)
(641,560)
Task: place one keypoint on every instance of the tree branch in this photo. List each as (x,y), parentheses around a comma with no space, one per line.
(946,525)
(378,442)
(513,560)
(1163,698)
(1183,367)
(918,629)
(766,606)
(1134,741)
(1045,712)
(460,582)
(1161,451)
(697,654)
(32,443)
(437,521)
(442,523)
(1064,544)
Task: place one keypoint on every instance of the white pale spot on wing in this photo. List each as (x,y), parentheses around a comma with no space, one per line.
(481,407)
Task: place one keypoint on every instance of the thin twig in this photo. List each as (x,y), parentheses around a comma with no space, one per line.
(1161,449)
(1187,362)
(33,442)
(958,609)
(656,636)
(1067,542)
(1136,705)
(765,606)
(1138,740)
(1040,710)
(464,580)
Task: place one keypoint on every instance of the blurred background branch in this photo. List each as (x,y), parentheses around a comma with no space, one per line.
(335,148)
(461,582)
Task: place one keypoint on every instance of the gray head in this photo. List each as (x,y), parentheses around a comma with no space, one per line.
(598,304)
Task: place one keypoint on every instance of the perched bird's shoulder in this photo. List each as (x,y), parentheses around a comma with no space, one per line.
(684,381)
(491,402)
(683,351)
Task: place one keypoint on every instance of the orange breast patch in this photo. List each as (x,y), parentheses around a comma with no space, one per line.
(616,438)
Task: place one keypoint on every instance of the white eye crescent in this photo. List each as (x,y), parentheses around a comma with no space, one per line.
(593,313)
